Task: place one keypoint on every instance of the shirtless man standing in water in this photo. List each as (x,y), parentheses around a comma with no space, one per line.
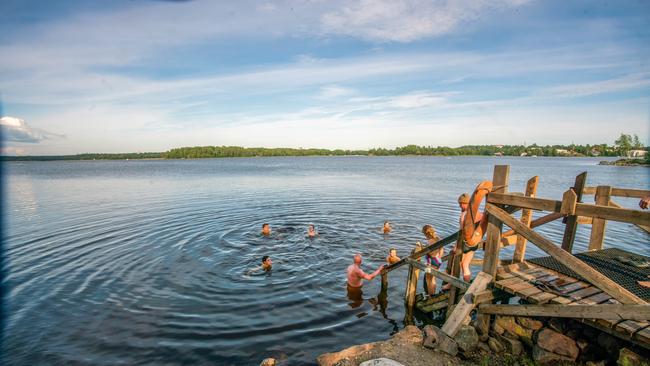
(356,275)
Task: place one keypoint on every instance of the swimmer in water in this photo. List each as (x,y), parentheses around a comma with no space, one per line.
(356,275)
(266,229)
(267,264)
(387,227)
(311,231)
(392,256)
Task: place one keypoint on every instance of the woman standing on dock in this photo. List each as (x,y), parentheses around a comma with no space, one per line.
(433,258)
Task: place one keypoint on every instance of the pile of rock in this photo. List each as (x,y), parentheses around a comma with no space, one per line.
(556,341)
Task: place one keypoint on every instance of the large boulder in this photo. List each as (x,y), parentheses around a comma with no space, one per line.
(435,338)
(544,357)
(557,343)
(466,339)
(495,345)
(511,327)
(512,346)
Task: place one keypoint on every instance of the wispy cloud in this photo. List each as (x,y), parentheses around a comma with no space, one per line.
(407,21)
(621,84)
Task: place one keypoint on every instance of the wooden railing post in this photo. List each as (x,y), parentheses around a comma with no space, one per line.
(454,265)
(572,220)
(412,282)
(493,241)
(526,214)
(603,195)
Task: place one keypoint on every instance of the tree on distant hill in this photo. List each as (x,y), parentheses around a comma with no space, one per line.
(624,144)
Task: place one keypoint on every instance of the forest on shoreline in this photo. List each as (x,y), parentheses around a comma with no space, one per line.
(199,152)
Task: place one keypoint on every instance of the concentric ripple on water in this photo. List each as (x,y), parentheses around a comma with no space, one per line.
(148,262)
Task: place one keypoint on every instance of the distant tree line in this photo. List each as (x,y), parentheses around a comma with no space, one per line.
(621,147)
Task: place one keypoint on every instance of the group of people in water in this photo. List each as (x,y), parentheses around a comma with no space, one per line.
(355,275)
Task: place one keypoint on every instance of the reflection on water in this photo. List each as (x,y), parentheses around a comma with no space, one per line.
(145,262)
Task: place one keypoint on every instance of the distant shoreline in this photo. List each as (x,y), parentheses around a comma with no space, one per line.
(201,152)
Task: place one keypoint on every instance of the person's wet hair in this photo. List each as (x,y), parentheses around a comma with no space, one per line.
(264,258)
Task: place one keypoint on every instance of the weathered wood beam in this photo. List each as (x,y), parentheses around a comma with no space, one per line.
(494,227)
(603,194)
(412,281)
(621,192)
(439,274)
(608,213)
(526,215)
(594,277)
(490,295)
(572,220)
(465,305)
(578,311)
(428,249)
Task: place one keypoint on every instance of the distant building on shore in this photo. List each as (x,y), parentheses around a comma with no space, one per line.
(637,154)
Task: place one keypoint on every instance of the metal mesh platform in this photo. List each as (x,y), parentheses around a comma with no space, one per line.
(622,267)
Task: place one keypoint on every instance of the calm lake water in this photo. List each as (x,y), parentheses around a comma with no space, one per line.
(145,262)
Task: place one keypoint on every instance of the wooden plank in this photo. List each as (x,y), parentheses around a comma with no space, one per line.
(598,298)
(643,336)
(609,213)
(621,192)
(490,295)
(465,305)
(578,266)
(412,281)
(569,202)
(574,286)
(439,274)
(584,293)
(629,327)
(603,194)
(572,220)
(609,312)
(454,267)
(428,249)
(542,297)
(526,215)
(494,226)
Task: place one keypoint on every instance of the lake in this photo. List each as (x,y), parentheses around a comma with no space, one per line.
(146,262)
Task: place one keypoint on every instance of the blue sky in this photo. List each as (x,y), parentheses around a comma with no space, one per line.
(122,76)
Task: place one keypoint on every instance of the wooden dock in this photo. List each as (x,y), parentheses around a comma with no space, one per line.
(539,285)
(588,296)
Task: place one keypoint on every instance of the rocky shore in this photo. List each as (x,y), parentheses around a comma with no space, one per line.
(626,162)
(510,341)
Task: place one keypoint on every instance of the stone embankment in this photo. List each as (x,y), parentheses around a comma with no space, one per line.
(510,341)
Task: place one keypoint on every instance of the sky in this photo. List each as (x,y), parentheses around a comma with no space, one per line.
(136,76)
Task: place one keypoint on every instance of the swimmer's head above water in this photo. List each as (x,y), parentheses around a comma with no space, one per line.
(266,229)
(387,227)
(266,263)
(311,231)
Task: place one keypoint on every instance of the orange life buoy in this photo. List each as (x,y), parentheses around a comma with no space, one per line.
(473,228)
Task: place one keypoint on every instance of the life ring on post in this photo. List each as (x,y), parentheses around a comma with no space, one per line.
(473,226)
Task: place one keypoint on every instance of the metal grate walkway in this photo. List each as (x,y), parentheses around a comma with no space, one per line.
(622,267)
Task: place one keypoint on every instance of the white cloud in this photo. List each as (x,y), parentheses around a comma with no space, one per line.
(334,91)
(17,130)
(406,21)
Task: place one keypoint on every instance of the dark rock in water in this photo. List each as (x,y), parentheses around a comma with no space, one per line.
(557,343)
(466,339)
(556,324)
(544,357)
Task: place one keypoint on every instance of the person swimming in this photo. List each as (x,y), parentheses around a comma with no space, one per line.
(387,229)
(311,231)
(266,229)
(392,256)
(267,264)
